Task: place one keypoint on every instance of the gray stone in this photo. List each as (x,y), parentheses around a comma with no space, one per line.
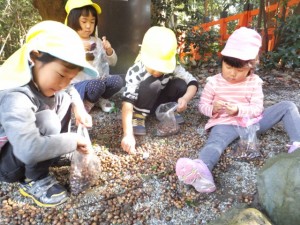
(242,215)
(279,188)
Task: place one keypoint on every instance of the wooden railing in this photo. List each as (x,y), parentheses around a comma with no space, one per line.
(243,19)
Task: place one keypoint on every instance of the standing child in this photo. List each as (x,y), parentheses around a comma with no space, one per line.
(227,98)
(35,111)
(82,16)
(153,80)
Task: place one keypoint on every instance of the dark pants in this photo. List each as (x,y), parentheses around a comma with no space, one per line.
(93,90)
(152,94)
(49,122)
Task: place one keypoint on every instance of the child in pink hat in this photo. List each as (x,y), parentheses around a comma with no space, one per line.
(229,97)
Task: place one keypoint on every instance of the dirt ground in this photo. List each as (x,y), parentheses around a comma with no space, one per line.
(143,188)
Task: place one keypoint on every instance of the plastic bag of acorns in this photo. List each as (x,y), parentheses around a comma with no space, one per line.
(85,168)
(165,114)
(84,172)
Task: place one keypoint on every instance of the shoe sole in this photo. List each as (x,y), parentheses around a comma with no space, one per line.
(139,133)
(186,170)
(41,204)
(139,130)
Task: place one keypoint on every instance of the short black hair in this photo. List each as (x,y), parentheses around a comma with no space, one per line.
(74,15)
(45,58)
(239,63)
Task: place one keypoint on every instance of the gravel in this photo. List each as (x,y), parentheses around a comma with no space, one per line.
(143,188)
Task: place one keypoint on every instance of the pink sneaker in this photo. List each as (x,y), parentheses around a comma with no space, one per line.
(195,173)
(295,145)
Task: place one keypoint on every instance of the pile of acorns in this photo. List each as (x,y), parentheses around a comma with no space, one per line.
(84,171)
(168,127)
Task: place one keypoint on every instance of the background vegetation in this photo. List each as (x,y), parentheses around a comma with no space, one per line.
(180,15)
(16,17)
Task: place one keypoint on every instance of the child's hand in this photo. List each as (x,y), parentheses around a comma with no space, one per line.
(182,105)
(128,144)
(218,106)
(85,119)
(87,46)
(82,145)
(82,117)
(231,109)
(107,46)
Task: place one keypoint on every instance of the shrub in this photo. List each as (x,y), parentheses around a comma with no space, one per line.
(287,54)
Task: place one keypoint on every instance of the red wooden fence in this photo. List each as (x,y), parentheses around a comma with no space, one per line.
(243,19)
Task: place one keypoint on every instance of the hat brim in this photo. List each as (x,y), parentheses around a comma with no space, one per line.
(16,72)
(97,7)
(236,53)
(163,66)
(87,68)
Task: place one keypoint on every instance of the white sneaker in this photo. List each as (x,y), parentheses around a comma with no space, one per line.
(106,105)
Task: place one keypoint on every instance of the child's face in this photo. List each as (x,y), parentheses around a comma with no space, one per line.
(53,76)
(154,73)
(87,24)
(234,75)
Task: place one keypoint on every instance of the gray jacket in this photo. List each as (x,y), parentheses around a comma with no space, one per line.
(18,108)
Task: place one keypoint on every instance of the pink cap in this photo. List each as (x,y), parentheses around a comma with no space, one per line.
(243,43)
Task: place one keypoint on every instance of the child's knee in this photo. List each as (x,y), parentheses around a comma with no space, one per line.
(179,86)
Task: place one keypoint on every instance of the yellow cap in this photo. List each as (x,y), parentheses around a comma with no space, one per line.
(73,4)
(158,50)
(51,37)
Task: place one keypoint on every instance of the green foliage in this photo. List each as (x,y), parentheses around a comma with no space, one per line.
(16,17)
(183,15)
(287,54)
(206,44)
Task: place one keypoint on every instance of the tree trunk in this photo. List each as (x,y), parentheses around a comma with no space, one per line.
(266,38)
(259,20)
(51,10)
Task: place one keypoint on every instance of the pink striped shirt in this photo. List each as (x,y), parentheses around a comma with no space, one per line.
(247,95)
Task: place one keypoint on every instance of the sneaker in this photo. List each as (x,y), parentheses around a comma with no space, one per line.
(195,173)
(295,145)
(88,105)
(138,124)
(106,105)
(179,118)
(45,192)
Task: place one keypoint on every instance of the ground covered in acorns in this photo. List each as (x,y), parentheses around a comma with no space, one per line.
(143,188)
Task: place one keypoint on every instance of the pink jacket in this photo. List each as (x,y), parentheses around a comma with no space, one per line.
(248,95)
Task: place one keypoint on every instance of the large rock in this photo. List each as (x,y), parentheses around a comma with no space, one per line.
(242,216)
(279,188)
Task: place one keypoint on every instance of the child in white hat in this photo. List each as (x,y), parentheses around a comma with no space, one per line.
(82,16)
(229,97)
(35,110)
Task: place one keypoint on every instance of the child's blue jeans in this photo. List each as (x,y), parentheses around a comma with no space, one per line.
(221,136)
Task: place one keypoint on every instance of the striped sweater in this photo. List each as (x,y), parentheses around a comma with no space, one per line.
(247,95)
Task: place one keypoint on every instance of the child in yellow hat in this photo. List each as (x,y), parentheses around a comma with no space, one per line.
(35,110)
(153,80)
(82,16)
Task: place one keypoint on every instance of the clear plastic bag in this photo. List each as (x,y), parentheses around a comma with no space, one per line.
(85,168)
(100,62)
(248,145)
(165,113)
